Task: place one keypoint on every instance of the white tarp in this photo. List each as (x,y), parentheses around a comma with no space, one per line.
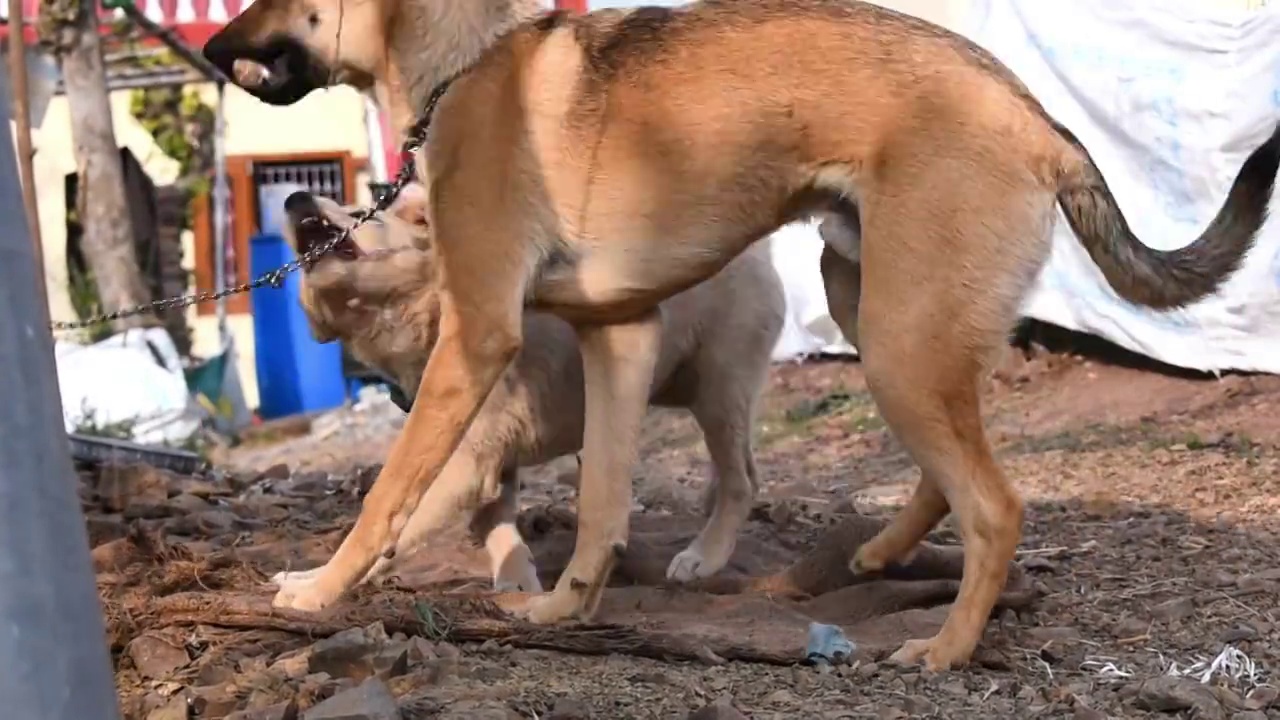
(1170,97)
(133,378)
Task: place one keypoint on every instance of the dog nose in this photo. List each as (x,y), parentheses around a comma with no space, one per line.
(300,205)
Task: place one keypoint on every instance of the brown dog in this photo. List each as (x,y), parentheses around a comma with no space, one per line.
(378,294)
(593,166)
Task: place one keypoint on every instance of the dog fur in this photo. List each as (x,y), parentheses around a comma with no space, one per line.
(593,166)
(378,295)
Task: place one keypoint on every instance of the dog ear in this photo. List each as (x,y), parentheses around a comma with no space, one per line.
(411,205)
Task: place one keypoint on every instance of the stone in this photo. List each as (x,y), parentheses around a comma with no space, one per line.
(125,487)
(1174,694)
(175,709)
(370,700)
(216,700)
(1262,698)
(279,711)
(105,528)
(391,662)
(1174,610)
(421,650)
(348,654)
(721,709)
(569,709)
(156,658)
(279,471)
(292,665)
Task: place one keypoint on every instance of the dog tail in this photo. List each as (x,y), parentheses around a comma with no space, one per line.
(1156,278)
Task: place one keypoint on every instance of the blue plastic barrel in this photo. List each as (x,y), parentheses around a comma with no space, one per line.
(296,374)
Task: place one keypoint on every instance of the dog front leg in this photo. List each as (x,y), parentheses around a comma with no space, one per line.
(618,363)
(477,342)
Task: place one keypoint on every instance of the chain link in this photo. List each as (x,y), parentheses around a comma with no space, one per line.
(416,138)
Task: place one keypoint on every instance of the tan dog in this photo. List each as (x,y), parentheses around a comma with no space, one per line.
(378,293)
(593,166)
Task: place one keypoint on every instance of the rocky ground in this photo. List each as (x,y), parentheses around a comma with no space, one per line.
(1148,582)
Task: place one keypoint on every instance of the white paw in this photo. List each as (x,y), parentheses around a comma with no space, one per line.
(690,565)
(517,574)
(282,578)
(304,595)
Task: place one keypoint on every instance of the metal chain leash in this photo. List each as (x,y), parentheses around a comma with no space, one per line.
(416,138)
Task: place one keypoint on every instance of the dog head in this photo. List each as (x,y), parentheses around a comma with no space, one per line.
(281,50)
(377,291)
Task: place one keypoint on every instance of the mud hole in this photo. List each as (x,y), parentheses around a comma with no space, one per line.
(1151,550)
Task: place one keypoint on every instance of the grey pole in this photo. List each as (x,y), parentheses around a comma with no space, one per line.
(54,663)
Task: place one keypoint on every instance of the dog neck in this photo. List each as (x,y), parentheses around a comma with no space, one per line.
(434,40)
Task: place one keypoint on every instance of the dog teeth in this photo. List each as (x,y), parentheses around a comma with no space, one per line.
(353,303)
(250,74)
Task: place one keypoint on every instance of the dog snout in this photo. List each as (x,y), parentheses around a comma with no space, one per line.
(300,206)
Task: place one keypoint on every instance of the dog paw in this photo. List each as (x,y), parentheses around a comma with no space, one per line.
(549,608)
(304,595)
(934,654)
(522,578)
(692,564)
(282,578)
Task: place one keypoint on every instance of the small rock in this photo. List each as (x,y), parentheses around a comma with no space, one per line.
(310,483)
(315,687)
(214,674)
(348,654)
(1261,698)
(391,662)
(420,650)
(1272,575)
(1084,712)
(293,665)
(919,705)
(175,709)
(279,471)
(280,711)
(569,709)
(1130,628)
(370,700)
(782,697)
(196,487)
(133,486)
(1174,694)
(1174,610)
(156,658)
(721,709)
(1036,563)
(1222,578)
(105,528)
(216,701)
(1239,633)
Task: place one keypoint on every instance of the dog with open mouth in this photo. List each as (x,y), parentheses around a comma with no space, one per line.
(378,293)
(593,166)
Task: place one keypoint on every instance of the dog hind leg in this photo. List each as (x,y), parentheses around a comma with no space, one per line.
(928,331)
(726,429)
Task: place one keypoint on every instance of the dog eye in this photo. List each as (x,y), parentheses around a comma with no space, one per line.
(314,19)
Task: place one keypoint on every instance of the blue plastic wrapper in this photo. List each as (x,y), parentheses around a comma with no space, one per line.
(828,645)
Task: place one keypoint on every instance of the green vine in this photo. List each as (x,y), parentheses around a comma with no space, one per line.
(182,126)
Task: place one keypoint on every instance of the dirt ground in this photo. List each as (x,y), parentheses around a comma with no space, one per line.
(1150,561)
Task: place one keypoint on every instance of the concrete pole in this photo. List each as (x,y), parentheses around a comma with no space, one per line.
(54,663)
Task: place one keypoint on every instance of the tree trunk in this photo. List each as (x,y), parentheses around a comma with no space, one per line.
(71,28)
